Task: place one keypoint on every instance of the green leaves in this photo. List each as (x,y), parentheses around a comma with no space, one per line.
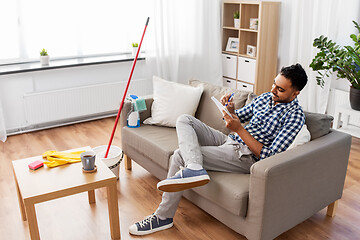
(332,58)
(43,52)
(236,15)
(357,26)
(135,44)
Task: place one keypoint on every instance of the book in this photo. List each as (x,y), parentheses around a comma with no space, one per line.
(221,107)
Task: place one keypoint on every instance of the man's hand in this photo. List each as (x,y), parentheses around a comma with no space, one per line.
(225,100)
(232,123)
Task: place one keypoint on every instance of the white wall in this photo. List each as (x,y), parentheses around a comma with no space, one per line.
(14,86)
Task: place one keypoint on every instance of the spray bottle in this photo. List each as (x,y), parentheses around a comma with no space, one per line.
(137,105)
(133,118)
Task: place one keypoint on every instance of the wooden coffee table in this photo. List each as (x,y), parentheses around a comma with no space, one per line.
(50,183)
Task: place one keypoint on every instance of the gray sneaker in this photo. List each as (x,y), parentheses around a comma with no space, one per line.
(184,179)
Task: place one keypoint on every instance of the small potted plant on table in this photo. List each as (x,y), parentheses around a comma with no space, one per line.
(44,57)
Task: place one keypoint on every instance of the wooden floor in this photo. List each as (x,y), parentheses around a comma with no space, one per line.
(74,218)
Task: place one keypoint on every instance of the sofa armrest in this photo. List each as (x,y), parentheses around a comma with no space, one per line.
(287,188)
(143,115)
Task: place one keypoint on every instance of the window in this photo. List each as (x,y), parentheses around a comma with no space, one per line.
(69,28)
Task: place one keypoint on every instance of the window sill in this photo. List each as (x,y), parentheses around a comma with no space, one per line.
(66,63)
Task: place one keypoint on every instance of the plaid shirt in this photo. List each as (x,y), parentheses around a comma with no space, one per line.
(275,126)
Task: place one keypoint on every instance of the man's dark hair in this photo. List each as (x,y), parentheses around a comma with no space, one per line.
(296,74)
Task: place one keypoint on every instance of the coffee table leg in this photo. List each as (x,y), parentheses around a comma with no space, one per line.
(91,195)
(113,210)
(20,199)
(33,226)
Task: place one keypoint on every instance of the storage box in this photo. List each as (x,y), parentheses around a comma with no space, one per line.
(246,69)
(229,65)
(245,87)
(230,83)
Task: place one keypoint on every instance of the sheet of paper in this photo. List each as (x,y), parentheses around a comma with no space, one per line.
(221,107)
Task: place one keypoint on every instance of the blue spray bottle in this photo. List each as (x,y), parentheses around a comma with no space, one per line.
(133,118)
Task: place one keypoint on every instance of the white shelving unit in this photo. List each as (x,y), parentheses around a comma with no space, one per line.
(250,71)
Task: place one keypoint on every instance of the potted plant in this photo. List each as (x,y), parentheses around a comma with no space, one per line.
(344,61)
(236,19)
(44,57)
(134,48)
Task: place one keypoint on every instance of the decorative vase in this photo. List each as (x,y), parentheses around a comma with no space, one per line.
(236,23)
(44,60)
(134,51)
(355,98)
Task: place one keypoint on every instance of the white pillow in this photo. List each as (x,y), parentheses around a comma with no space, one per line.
(172,100)
(302,137)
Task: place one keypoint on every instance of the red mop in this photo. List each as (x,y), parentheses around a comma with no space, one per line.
(126,89)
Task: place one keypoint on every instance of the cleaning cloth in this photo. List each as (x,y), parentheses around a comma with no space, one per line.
(55,158)
(140,105)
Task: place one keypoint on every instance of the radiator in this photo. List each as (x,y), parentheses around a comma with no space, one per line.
(72,103)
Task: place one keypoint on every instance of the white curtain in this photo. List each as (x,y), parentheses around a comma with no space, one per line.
(301,22)
(2,125)
(184,40)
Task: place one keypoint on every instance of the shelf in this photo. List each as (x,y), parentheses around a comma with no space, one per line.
(231,53)
(228,33)
(228,13)
(241,81)
(247,56)
(247,38)
(241,29)
(238,54)
(231,28)
(247,30)
(248,11)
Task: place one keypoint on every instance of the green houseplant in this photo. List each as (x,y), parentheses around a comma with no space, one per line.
(43,52)
(236,19)
(44,57)
(134,48)
(344,61)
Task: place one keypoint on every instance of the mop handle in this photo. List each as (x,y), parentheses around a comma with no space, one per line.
(126,89)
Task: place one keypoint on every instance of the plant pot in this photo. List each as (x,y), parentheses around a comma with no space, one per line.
(354,98)
(236,23)
(44,60)
(134,51)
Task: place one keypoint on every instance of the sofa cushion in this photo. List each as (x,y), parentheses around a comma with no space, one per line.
(301,138)
(157,143)
(172,100)
(228,190)
(318,124)
(207,111)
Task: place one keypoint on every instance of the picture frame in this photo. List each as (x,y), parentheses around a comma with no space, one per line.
(232,45)
(250,50)
(254,23)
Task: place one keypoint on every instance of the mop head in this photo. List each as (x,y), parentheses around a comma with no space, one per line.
(140,105)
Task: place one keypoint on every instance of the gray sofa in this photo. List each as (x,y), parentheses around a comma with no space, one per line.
(280,191)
